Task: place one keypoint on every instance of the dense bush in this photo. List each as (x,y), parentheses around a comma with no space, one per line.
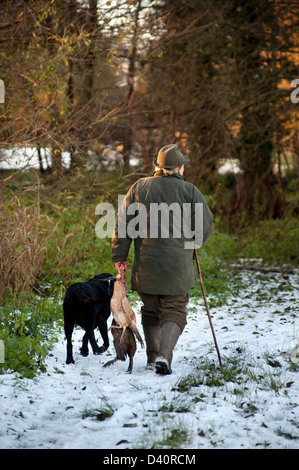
(28,327)
(22,244)
(274,241)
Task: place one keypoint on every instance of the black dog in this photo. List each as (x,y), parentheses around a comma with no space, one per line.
(87,304)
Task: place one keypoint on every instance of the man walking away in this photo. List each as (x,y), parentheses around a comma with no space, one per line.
(173,217)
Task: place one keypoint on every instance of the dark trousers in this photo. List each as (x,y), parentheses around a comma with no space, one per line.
(158,309)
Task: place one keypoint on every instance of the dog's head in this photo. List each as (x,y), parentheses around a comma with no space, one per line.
(104,279)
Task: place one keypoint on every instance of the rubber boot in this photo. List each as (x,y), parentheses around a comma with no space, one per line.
(152,335)
(170,332)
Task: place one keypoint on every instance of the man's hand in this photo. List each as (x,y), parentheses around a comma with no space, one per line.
(121,266)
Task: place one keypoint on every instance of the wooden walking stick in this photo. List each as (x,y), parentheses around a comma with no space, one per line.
(206,304)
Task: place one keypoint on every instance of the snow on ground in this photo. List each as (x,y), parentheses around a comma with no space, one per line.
(256,331)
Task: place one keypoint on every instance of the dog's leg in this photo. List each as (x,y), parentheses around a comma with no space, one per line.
(68,329)
(95,348)
(104,333)
(84,348)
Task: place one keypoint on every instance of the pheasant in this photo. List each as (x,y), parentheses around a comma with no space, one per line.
(122,311)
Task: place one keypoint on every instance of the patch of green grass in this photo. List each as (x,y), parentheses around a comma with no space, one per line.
(101,413)
(209,374)
(275,241)
(286,435)
(248,409)
(178,404)
(173,438)
(173,434)
(271,361)
(237,369)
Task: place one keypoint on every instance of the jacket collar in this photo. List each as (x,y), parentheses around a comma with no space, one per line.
(175,175)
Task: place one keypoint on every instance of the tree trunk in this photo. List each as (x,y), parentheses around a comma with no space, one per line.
(261,197)
(128,140)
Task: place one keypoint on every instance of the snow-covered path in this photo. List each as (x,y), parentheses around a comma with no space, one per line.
(258,407)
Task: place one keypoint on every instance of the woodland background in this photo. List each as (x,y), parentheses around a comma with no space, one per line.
(108,83)
(213,76)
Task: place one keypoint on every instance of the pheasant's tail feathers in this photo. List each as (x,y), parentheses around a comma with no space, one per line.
(137,334)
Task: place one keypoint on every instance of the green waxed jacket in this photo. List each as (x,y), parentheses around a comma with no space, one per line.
(163,249)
